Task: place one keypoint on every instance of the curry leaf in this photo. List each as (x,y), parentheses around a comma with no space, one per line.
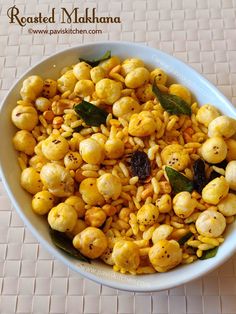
(92,115)
(65,244)
(178,181)
(185,238)
(209,253)
(96,61)
(171,103)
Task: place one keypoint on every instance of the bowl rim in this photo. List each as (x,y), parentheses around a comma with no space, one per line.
(58,253)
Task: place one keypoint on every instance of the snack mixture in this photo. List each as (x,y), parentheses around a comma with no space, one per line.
(126,167)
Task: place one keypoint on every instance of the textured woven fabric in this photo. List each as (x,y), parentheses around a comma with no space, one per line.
(200,32)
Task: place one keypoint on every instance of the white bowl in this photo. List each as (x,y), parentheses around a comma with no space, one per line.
(203,91)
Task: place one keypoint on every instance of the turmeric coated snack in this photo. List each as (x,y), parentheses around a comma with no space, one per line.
(126,166)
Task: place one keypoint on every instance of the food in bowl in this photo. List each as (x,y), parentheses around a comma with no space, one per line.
(126,167)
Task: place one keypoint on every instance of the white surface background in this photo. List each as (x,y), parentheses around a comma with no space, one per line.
(200,32)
